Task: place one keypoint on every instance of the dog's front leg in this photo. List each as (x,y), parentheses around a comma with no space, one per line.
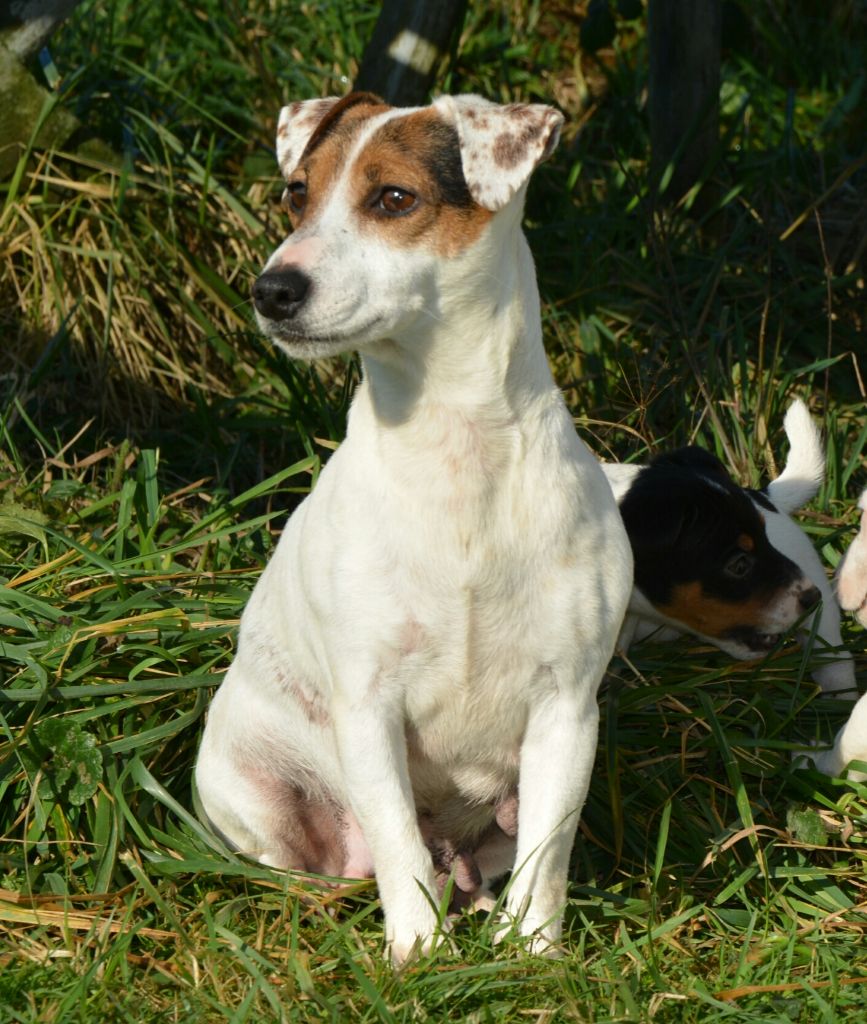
(557,756)
(372,749)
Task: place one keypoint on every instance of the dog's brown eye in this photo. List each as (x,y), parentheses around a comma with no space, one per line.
(396,200)
(739,565)
(294,197)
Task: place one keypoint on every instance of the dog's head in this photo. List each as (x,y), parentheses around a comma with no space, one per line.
(703,559)
(379,199)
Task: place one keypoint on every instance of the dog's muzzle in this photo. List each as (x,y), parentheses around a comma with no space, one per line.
(279,294)
(809,598)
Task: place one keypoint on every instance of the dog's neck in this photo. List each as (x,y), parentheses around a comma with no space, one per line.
(477,345)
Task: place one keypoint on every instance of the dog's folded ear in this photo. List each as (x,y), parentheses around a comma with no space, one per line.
(296,123)
(299,121)
(500,145)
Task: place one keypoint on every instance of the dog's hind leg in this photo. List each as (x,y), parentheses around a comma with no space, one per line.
(266,818)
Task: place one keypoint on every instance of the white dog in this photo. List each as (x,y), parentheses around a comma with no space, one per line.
(852,572)
(851,741)
(430,633)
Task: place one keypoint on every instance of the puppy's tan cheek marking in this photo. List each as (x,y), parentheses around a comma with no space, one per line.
(709,615)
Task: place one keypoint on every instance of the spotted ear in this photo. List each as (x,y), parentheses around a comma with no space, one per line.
(296,124)
(500,145)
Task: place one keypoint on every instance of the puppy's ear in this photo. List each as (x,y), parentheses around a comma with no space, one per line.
(695,458)
(500,145)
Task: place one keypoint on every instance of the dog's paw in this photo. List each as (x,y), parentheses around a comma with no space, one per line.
(483,902)
(529,936)
(850,745)
(406,947)
(817,756)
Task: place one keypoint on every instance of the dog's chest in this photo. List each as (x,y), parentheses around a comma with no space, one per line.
(479,658)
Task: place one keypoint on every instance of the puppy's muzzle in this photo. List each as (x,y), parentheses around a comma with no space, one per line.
(809,598)
(279,294)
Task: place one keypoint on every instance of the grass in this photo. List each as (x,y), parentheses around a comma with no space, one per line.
(150,444)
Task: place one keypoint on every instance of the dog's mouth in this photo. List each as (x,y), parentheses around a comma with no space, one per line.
(293,333)
(754,641)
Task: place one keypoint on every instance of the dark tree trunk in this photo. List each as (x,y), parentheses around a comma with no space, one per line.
(408,44)
(683,101)
(25,27)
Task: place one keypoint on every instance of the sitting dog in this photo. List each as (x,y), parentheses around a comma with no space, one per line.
(727,563)
(431,630)
(850,743)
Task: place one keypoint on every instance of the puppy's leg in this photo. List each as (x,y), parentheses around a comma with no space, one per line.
(556,762)
(835,672)
(372,750)
(850,745)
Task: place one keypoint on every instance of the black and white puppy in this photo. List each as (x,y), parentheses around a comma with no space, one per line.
(726,563)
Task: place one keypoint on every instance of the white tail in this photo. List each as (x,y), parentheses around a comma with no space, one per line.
(804,471)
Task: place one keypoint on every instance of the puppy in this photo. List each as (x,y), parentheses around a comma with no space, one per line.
(431,630)
(727,563)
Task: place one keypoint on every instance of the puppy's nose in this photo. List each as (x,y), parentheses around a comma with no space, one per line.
(278,294)
(809,598)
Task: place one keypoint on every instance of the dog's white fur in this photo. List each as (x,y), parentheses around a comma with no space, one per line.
(852,571)
(850,744)
(459,571)
(794,487)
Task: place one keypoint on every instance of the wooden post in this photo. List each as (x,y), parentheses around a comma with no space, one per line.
(408,44)
(683,90)
(25,27)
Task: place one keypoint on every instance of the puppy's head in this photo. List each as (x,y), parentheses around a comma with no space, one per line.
(703,559)
(379,199)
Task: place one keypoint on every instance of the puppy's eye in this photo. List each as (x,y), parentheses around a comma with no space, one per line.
(739,565)
(294,197)
(395,201)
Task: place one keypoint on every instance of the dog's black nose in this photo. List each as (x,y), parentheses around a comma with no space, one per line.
(809,598)
(278,294)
